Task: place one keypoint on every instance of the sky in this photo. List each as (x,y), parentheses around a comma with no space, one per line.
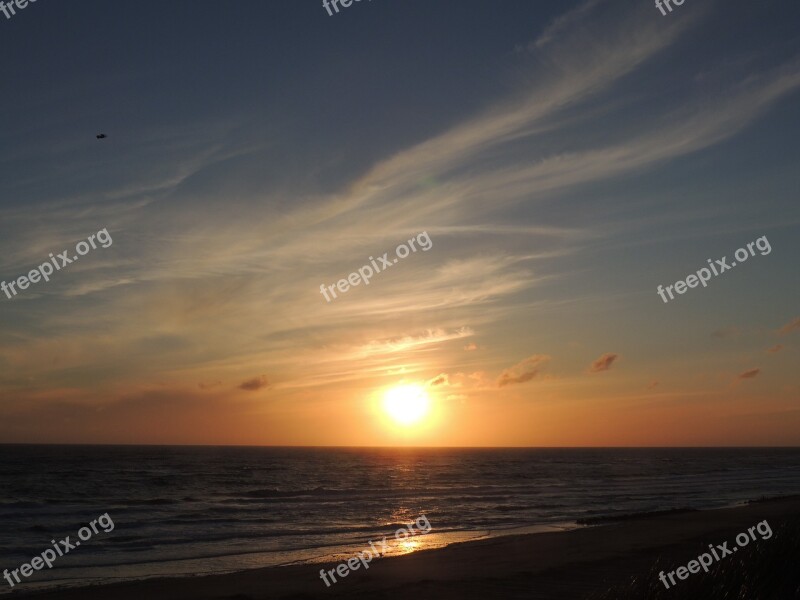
(563,159)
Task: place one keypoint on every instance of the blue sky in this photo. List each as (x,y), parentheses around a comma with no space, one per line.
(566,158)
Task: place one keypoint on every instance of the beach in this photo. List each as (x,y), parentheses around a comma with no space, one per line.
(572,564)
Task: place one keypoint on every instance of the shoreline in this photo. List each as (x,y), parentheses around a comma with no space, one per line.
(563,564)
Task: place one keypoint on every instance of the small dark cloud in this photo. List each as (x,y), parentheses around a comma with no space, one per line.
(255,384)
(749,374)
(776,348)
(522,371)
(652,385)
(790,326)
(726,332)
(441,379)
(471,346)
(603,363)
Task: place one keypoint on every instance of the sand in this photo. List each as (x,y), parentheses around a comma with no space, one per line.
(559,565)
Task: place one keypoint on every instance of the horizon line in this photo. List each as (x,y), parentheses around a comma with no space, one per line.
(399,447)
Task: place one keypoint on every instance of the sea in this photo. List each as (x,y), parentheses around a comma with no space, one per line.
(181,511)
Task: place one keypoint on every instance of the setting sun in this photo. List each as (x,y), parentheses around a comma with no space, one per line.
(406,404)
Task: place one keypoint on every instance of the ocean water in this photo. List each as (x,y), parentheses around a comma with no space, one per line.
(188,510)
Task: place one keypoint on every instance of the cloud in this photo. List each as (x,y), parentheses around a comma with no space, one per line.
(790,326)
(776,348)
(603,363)
(562,23)
(749,374)
(522,371)
(471,346)
(255,384)
(441,379)
(428,338)
(481,379)
(652,385)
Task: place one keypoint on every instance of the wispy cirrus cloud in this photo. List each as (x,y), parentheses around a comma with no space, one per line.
(792,325)
(191,269)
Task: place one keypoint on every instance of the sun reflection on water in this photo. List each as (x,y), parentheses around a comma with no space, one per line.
(408,546)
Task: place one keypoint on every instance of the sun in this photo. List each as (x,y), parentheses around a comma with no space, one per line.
(406,404)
